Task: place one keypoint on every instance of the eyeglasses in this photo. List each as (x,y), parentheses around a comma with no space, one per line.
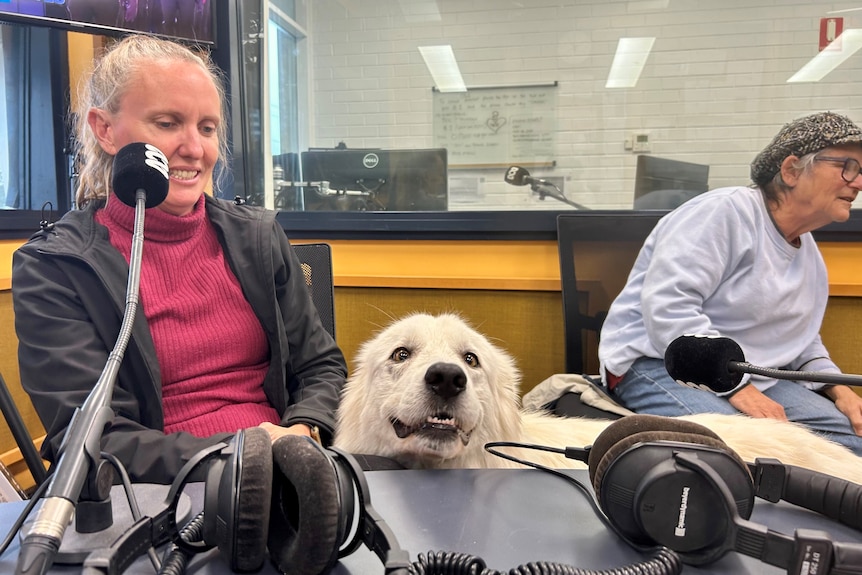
(851,168)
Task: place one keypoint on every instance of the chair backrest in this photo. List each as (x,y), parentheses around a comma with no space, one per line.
(664,199)
(668,182)
(21,435)
(604,266)
(316,260)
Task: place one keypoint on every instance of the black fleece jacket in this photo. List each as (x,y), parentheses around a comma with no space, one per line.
(69,290)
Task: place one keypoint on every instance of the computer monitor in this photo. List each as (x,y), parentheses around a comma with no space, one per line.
(377,180)
(661,183)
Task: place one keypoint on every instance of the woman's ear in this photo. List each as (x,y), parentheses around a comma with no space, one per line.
(789,172)
(100,123)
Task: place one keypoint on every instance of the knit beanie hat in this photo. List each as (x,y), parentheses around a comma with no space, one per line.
(803,136)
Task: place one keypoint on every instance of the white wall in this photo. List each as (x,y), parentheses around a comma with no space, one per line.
(713,89)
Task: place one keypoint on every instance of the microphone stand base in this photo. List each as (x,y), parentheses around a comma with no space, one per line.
(93,516)
(76,546)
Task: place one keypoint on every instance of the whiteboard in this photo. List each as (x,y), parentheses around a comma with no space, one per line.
(497,125)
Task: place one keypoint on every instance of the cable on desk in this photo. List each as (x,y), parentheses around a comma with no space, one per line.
(673,566)
(664,562)
(134,508)
(176,558)
(491,447)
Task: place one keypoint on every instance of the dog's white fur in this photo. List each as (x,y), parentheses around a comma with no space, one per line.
(452,425)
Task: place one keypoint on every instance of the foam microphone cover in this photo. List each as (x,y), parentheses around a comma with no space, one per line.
(515,175)
(140,166)
(702,362)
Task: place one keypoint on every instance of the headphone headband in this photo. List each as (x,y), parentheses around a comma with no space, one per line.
(372,530)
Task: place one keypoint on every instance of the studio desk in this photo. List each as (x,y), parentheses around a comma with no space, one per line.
(506,517)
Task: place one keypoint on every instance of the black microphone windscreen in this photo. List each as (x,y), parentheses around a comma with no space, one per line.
(515,175)
(702,362)
(140,166)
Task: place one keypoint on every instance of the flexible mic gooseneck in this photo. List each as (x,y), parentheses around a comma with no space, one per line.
(518,176)
(140,179)
(715,363)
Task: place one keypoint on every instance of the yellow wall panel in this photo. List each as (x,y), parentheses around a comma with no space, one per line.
(9,369)
(528,325)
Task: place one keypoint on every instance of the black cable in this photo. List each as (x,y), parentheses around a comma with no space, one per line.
(657,562)
(132,499)
(664,562)
(489,447)
(176,558)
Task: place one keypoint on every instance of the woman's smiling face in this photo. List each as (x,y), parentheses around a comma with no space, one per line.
(175,107)
(822,191)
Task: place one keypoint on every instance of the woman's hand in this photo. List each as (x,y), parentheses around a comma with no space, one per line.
(751,401)
(848,403)
(276,431)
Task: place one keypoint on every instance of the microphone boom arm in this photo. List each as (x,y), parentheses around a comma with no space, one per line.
(79,451)
(542,189)
(813,376)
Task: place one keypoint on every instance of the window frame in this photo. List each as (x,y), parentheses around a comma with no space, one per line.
(22,223)
(232,21)
(600,225)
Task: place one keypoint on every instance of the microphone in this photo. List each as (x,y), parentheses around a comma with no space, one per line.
(140,166)
(518,176)
(717,363)
(140,178)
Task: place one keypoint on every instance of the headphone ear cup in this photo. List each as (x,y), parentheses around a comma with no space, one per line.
(638,483)
(238,496)
(629,426)
(308,521)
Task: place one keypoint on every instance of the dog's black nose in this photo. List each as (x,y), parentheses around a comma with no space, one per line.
(445,379)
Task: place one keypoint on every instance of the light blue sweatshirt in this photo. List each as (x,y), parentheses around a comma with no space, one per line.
(718,265)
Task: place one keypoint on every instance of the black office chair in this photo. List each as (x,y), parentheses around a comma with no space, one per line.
(316,262)
(664,184)
(19,432)
(575,320)
(664,199)
(578,228)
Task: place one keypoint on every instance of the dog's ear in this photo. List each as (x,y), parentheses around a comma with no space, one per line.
(361,376)
(502,421)
(351,410)
(504,377)
(357,395)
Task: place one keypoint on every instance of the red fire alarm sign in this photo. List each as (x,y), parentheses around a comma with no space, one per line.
(830,28)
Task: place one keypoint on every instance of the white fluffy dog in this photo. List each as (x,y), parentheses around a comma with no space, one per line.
(430,392)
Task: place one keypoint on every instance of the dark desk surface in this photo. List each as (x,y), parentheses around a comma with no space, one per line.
(506,517)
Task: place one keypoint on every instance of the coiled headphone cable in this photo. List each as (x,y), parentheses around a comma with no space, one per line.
(664,562)
(176,558)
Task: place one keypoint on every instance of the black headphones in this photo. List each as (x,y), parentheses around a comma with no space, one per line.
(291,500)
(674,483)
(658,482)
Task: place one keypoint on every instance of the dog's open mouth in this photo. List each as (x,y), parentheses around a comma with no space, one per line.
(435,425)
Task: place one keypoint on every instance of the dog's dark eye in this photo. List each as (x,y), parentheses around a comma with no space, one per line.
(472,359)
(400,354)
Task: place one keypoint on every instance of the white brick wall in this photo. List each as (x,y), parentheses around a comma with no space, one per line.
(713,90)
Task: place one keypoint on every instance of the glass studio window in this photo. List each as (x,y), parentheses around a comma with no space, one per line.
(28,125)
(353,114)
(607,102)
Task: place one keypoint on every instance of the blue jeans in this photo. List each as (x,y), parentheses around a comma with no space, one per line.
(647,388)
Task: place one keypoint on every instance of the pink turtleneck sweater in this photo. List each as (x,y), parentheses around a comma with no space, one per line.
(212,351)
